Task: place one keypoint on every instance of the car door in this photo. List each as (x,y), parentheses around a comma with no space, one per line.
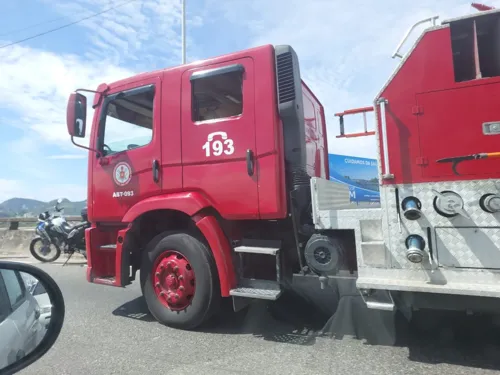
(10,338)
(218,136)
(24,309)
(127,167)
(23,315)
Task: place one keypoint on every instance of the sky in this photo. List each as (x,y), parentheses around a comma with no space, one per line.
(344,50)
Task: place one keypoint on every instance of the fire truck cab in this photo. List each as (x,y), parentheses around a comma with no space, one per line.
(212,179)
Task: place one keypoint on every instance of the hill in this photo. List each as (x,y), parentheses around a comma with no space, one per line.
(16,207)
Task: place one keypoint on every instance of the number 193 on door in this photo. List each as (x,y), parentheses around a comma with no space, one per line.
(217,144)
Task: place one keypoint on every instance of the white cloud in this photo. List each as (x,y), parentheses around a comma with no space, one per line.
(36,84)
(132,32)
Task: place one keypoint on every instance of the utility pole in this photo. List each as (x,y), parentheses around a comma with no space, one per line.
(183,31)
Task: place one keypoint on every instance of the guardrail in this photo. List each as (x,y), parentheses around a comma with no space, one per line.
(14,221)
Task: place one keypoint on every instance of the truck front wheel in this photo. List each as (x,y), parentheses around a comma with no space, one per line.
(179,280)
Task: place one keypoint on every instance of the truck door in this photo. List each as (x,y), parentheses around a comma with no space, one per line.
(218,136)
(452,125)
(126,170)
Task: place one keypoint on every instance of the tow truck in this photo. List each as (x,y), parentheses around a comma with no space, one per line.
(212,180)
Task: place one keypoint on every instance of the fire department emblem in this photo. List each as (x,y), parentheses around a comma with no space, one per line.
(122,174)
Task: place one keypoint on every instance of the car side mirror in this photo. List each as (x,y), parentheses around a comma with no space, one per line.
(76,115)
(31,315)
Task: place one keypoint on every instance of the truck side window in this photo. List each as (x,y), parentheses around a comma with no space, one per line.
(128,122)
(217,96)
(13,284)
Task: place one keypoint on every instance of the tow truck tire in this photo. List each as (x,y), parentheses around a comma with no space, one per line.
(195,262)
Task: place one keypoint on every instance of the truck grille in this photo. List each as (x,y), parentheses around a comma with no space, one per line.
(284,67)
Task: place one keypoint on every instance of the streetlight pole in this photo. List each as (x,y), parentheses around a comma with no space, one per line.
(183,31)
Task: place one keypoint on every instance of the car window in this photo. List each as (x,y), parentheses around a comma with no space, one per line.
(30,282)
(13,284)
(39,289)
(4,301)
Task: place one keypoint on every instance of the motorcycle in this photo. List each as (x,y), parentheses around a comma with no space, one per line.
(54,231)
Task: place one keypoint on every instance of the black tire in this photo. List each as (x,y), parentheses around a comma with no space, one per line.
(38,257)
(207,296)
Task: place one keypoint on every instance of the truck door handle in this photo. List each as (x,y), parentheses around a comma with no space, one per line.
(156,171)
(250,162)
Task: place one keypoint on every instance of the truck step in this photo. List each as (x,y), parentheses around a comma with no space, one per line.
(379,300)
(110,280)
(385,306)
(257,250)
(259,289)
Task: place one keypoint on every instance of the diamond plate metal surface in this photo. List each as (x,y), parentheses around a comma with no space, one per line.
(471,253)
(257,250)
(257,288)
(480,249)
(270,294)
(371,230)
(373,254)
(470,191)
(467,260)
(482,283)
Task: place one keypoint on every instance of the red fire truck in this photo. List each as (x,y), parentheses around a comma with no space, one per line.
(212,180)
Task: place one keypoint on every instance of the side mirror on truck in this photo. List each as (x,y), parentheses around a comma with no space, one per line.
(76,115)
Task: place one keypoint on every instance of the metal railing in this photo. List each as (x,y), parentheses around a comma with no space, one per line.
(14,221)
(405,37)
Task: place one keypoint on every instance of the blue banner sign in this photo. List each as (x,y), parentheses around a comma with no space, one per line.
(360,174)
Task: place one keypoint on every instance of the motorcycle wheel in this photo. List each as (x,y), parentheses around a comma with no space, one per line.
(37,256)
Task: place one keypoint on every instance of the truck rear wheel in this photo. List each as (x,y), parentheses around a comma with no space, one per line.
(179,280)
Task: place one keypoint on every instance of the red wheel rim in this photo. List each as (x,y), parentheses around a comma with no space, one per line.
(173,280)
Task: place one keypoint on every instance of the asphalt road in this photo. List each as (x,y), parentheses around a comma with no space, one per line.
(109,331)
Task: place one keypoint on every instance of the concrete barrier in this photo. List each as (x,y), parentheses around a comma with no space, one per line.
(16,242)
